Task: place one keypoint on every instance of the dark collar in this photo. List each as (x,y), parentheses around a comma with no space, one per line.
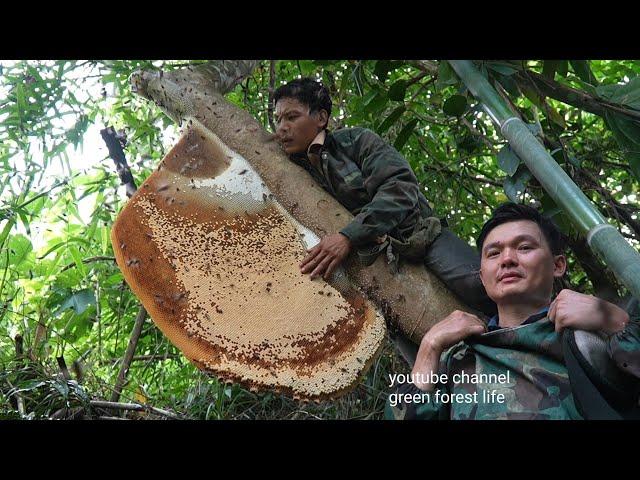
(493,323)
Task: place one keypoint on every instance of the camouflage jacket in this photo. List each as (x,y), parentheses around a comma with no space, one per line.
(370,179)
(538,385)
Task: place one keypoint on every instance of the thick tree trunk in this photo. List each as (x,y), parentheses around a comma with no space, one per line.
(413,299)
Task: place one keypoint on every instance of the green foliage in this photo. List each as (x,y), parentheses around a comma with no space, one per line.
(508,160)
(62,292)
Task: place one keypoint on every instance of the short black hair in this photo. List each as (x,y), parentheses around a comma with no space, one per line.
(511,212)
(308,92)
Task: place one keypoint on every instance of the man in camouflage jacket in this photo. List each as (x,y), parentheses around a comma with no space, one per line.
(376,184)
(518,356)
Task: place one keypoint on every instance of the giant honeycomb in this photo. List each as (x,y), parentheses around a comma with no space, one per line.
(213,258)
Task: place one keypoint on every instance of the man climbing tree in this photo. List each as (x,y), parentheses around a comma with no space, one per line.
(376,184)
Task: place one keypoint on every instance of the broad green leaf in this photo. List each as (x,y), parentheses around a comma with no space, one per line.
(404,134)
(508,160)
(455,105)
(501,68)
(366,100)
(19,249)
(583,71)
(515,185)
(391,119)
(534,128)
(563,68)
(79,301)
(544,106)
(627,94)
(469,143)
(398,90)
(378,102)
(62,388)
(381,70)
(446,75)
(509,85)
(551,210)
(627,134)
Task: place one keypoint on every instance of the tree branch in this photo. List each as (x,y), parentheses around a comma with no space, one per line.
(110,137)
(272,83)
(618,209)
(128,356)
(88,260)
(572,96)
(132,406)
(603,285)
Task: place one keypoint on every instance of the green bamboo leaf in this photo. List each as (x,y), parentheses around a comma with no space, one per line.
(77,258)
(5,231)
(104,239)
(22,105)
(25,221)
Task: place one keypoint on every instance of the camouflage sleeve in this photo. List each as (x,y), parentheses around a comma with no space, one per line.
(624,346)
(391,184)
(408,402)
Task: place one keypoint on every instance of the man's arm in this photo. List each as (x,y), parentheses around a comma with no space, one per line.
(394,193)
(392,187)
(585,312)
(446,333)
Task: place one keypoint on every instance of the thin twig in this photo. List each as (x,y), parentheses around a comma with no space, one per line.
(19,357)
(272,82)
(88,260)
(132,406)
(144,358)
(128,356)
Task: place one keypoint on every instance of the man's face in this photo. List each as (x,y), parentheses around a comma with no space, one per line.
(295,126)
(517,265)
